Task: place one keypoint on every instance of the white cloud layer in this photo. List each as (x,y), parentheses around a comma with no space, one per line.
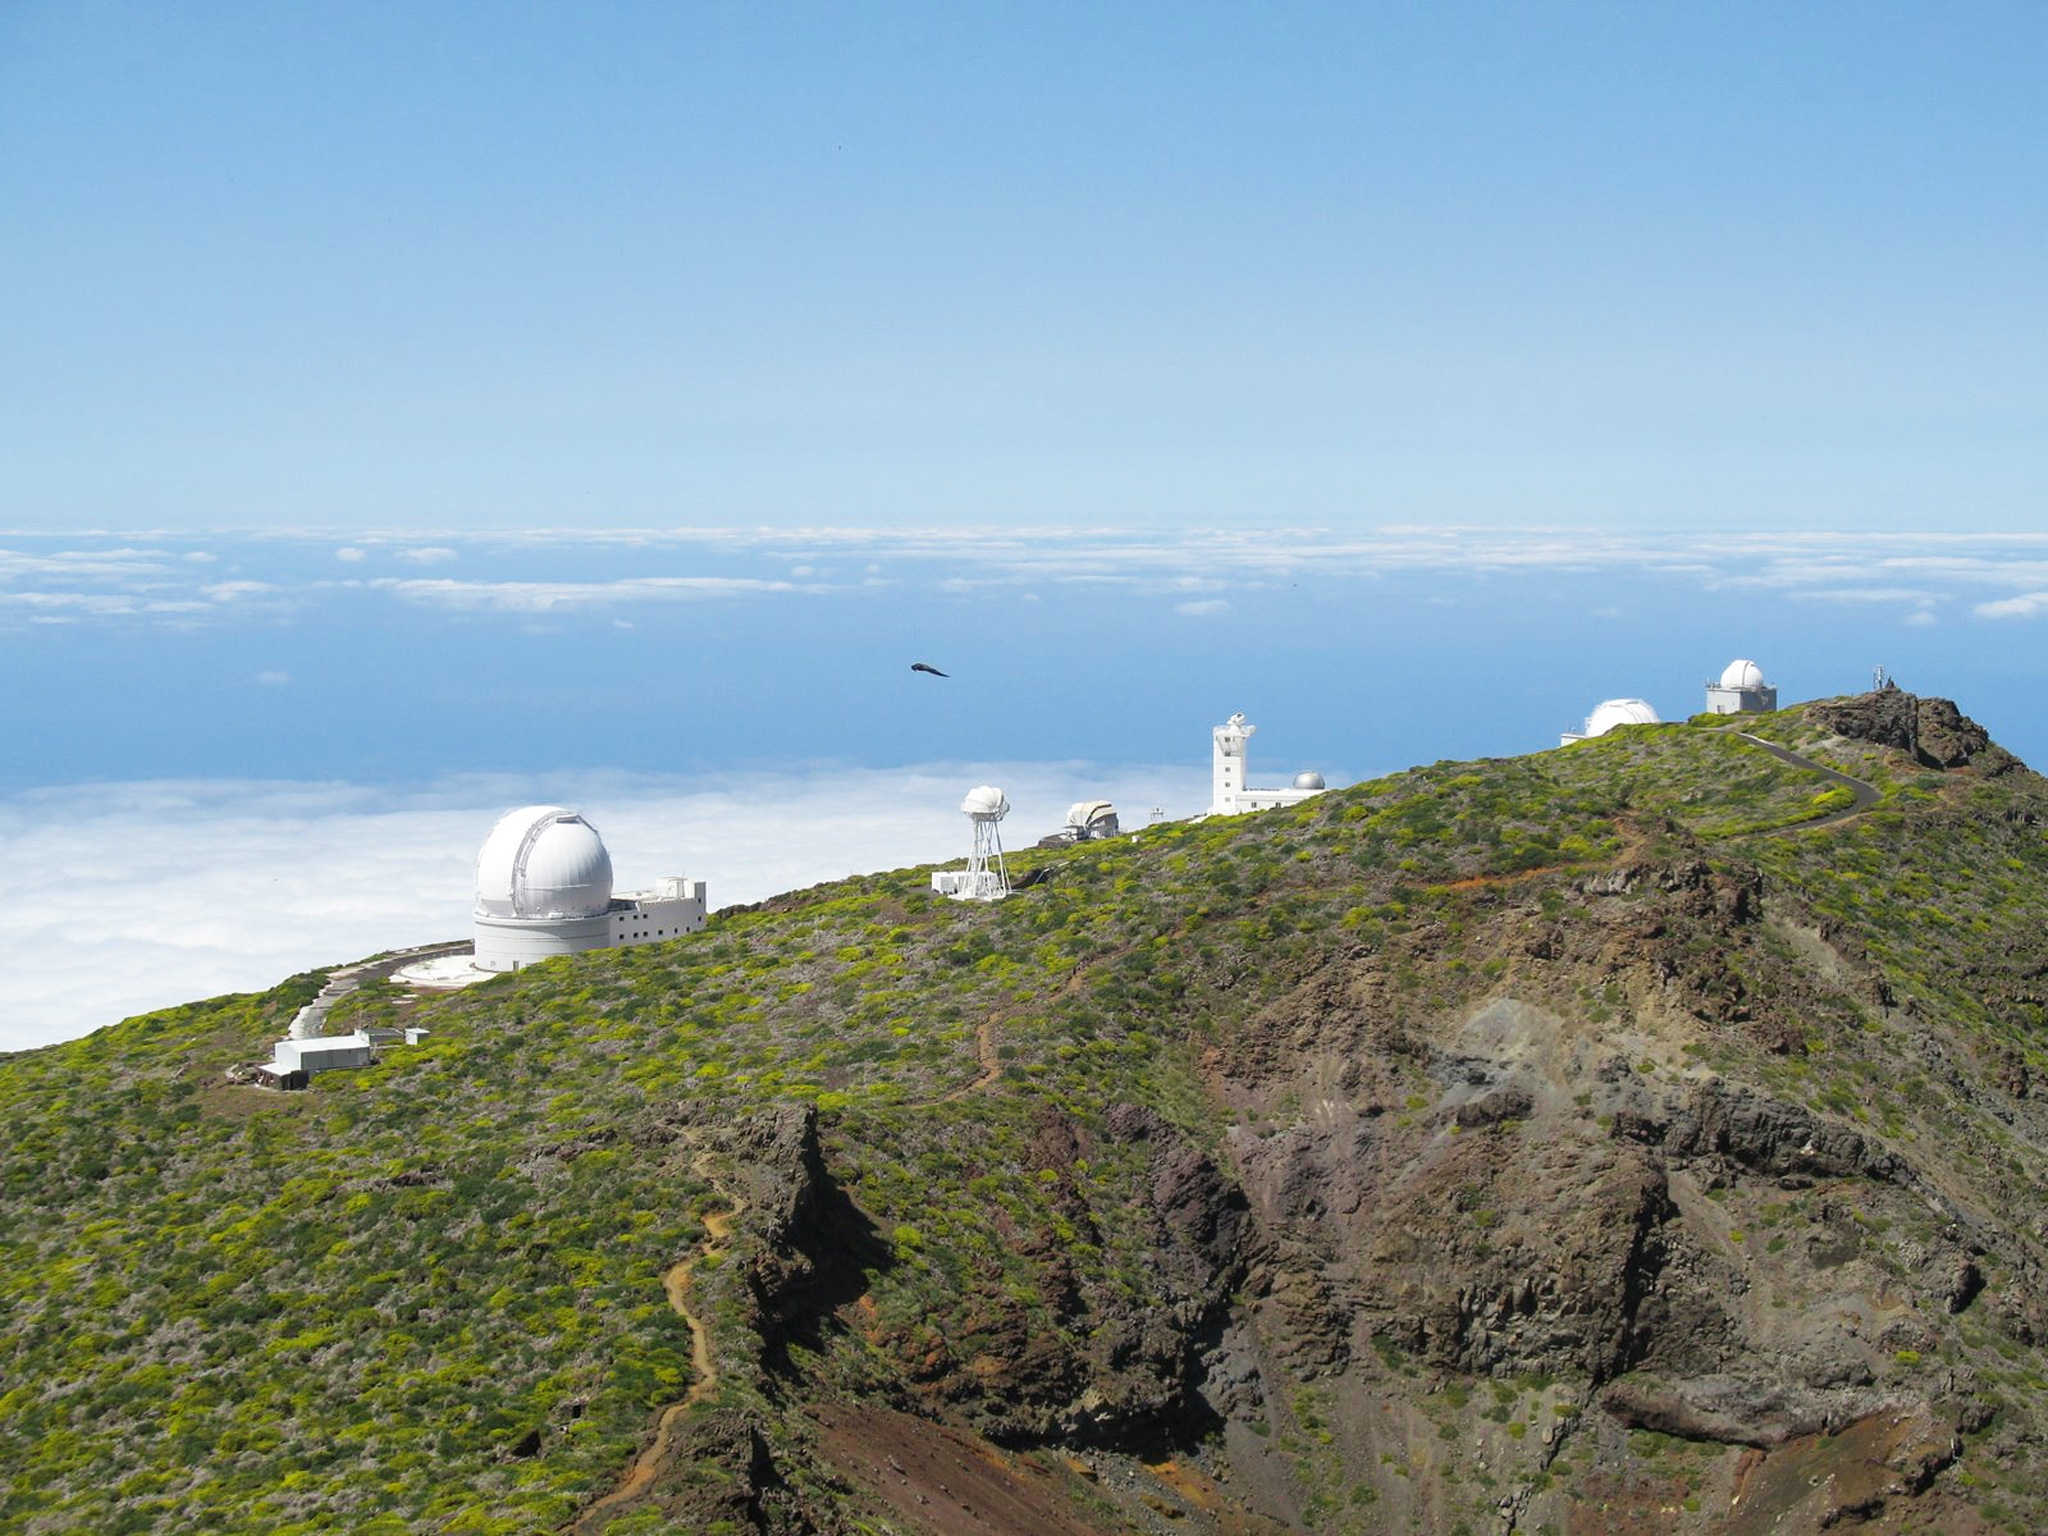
(559,596)
(2028,605)
(45,580)
(125,898)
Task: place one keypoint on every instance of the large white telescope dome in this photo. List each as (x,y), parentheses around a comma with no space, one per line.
(543,861)
(1620,712)
(1742,674)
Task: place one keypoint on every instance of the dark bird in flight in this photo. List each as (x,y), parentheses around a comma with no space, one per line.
(921,666)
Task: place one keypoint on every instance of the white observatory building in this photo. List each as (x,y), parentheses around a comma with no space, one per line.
(1229,775)
(1088,821)
(1610,714)
(1091,821)
(984,878)
(1741,691)
(544,887)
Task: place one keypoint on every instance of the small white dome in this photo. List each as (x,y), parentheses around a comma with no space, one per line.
(1742,674)
(1620,712)
(985,800)
(1085,813)
(543,861)
(1309,780)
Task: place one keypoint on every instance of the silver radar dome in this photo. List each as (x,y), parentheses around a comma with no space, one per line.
(543,861)
(1309,780)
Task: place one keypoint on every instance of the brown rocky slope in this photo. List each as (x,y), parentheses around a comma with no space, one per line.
(1670,1184)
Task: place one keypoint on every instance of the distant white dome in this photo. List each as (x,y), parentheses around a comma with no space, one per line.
(1085,813)
(986,800)
(1742,674)
(543,861)
(1620,712)
(1309,780)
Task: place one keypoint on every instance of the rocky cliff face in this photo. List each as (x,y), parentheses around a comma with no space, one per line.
(1931,731)
(1535,1218)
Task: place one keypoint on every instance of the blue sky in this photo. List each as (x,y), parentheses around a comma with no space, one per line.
(477,266)
(408,412)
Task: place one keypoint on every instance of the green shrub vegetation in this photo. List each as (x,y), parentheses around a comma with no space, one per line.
(428,1295)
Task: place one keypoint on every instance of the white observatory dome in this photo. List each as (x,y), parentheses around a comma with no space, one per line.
(1620,712)
(986,801)
(543,861)
(1742,674)
(1309,780)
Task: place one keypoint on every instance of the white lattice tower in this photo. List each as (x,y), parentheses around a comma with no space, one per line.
(987,879)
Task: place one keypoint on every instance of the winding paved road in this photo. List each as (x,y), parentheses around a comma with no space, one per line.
(1866,795)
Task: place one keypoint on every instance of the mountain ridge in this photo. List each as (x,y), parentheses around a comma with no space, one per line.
(1640,1136)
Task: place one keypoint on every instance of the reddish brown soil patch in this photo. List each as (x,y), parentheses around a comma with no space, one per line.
(985,1054)
(1868,1475)
(1514,877)
(1194,1486)
(945,1483)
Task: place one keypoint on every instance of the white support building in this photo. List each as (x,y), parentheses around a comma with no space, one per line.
(1230,791)
(1741,691)
(323,1053)
(294,1061)
(544,888)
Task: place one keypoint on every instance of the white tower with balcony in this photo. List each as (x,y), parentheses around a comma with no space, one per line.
(1227,764)
(1230,775)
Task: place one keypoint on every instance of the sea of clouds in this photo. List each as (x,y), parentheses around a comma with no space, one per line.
(187,578)
(131,897)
